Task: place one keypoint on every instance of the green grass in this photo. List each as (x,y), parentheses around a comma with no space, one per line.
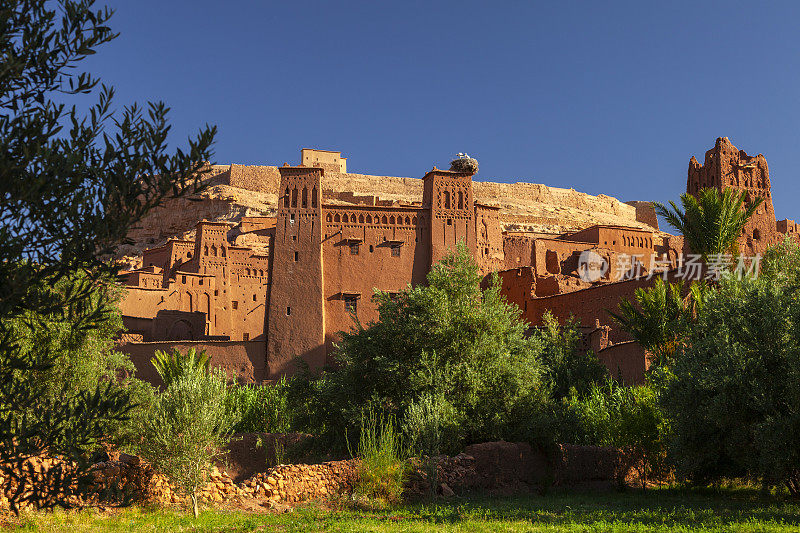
(653,510)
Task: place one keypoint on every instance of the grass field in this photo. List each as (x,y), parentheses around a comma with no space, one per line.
(633,510)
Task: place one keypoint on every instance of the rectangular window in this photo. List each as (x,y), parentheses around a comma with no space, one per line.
(216,292)
(183,279)
(395,250)
(246,337)
(351,303)
(296,256)
(288,311)
(235,304)
(354,248)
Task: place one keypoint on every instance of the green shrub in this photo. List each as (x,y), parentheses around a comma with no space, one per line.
(261,408)
(624,417)
(567,367)
(430,425)
(173,365)
(733,398)
(382,470)
(187,428)
(444,337)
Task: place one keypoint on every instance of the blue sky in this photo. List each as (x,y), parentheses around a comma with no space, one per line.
(603,97)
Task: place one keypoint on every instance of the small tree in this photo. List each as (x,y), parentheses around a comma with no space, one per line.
(658,320)
(73,183)
(187,428)
(568,367)
(712,221)
(447,338)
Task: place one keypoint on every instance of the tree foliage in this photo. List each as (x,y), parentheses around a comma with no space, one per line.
(72,184)
(567,366)
(174,364)
(712,221)
(447,339)
(657,320)
(732,396)
(187,428)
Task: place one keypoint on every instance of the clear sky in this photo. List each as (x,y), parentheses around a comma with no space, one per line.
(603,97)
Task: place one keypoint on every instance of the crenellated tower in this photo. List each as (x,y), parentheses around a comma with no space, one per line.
(449,197)
(727,167)
(296,318)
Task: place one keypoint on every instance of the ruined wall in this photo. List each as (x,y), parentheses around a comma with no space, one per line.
(590,304)
(625,360)
(490,253)
(727,167)
(242,360)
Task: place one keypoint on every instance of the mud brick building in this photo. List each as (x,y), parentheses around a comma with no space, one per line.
(270,262)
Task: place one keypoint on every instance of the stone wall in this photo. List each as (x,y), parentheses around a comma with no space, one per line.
(502,467)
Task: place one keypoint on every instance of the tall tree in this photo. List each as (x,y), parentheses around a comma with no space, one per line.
(712,221)
(72,185)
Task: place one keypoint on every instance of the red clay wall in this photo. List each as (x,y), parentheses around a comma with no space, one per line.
(244,361)
(367,247)
(626,360)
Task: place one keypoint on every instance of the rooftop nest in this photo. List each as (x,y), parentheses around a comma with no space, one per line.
(464,163)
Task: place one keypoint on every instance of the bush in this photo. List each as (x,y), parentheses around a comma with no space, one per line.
(733,398)
(430,425)
(444,338)
(568,367)
(261,408)
(623,417)
(382,470)
(187,427)
(174,365)
(74,362)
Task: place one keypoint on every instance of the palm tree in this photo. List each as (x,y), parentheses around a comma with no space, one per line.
(712,221)
(657,320)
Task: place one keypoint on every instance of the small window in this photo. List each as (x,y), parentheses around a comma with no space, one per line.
(294,237)
(216,292)
(288,311)
(254,297)
(235,304)
(354,248)
(395,250)
(351,303)
(246,337)
(183,279)
(291,218)
(449,221)
(371,249)
(200,281)
(296,257)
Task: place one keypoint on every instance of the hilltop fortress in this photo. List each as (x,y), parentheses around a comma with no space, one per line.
(269,263)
